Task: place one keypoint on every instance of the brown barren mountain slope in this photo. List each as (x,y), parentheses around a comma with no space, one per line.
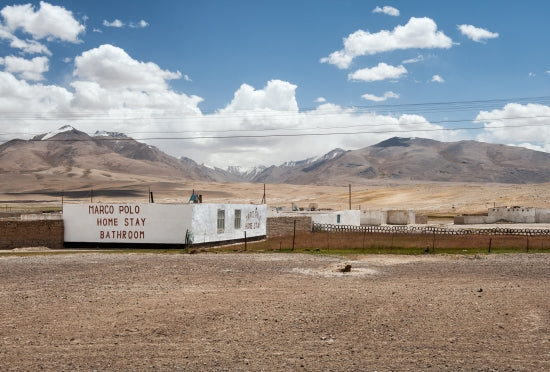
(389,175)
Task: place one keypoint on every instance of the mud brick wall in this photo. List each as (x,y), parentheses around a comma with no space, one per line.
(17,234)
(280,226)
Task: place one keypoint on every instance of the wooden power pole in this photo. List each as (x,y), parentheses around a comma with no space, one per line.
(350,196)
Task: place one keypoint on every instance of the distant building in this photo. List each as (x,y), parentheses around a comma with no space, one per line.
(344,217)
(515,214)
(391,217)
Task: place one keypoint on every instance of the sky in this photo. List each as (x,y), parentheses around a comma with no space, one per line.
(247,82)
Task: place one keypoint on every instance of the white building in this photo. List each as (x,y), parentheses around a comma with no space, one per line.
(345,217)
(390,217)
(515,214)
(161,224)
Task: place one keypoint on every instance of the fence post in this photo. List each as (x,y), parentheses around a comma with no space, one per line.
(490,241)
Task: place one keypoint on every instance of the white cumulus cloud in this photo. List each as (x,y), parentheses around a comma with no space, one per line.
(277,95)
(420,58)
(375,98)
(389,10)
(516,123)
(26,46)
(382,71)
(437,79)
(48,22)
(30,101)
(111,67)
(140,24)
(27,69)
(117,23)
(479,35)
(418,33)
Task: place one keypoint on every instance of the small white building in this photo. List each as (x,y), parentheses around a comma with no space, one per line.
(390,217)
(515,214)
(345,217)
(98,224)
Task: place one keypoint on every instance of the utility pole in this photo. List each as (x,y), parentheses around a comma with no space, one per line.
(350,196)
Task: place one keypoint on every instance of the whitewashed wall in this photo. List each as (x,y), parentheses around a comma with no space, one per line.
(159,223)
(348,217)
(205,219)
(542,215)
(373,217)
(514,214)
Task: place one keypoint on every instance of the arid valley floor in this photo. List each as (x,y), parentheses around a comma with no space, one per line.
(272,312)
(425,197)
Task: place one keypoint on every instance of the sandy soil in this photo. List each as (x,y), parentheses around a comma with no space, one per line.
(100,311)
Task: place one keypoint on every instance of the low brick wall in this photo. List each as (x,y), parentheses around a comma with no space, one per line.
(280,226)
(45,233)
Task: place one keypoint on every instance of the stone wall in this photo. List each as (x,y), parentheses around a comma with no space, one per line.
(477,219)
(400,217)
(279,226)
(420,219)
(512,214)
(507,214)
(542,215)
(44,233)
(373,217)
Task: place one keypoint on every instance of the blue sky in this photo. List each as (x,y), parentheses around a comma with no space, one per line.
(262,82)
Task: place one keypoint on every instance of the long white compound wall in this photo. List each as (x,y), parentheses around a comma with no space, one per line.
(160,223)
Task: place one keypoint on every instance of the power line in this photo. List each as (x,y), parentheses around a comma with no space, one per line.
(325,114)
(370,125)
(287,134)
(442,106)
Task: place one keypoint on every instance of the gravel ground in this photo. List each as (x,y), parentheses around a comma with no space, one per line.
(240,312)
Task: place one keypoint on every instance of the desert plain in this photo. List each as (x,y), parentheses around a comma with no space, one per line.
(423,197)
(271,312)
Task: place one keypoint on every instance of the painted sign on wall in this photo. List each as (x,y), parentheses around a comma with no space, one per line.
(126,223)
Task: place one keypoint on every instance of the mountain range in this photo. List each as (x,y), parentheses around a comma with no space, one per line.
(71,153)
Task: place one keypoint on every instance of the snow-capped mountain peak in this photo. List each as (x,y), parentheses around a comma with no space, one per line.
(63,129)
(246,173)
(102,133)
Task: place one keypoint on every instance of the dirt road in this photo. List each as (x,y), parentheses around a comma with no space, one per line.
(240,312)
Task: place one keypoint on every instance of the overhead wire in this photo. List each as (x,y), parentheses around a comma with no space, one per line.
(277,115)
(441,129)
